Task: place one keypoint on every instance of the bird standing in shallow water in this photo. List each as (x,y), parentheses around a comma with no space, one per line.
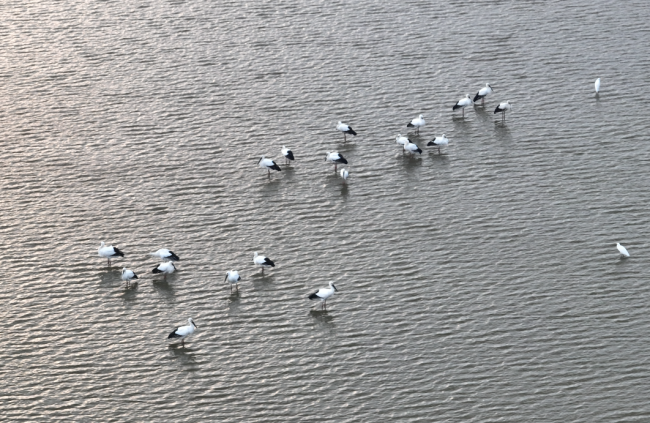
(262,261)
(268,164)
(336,158)
(127,275)
(622,250)
(323,294)
(462,103)
(183,331)
(412,148)
(417,123)
(234,278)
(346,129)
(165,255)
(597,85)
(503,108)
(482,93)
(288,154)
(439,142)
(108,252)
(165,268)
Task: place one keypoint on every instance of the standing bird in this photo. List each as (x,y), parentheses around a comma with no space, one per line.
(234,278)
(503,107)
(622,250)
(268,164)
(462,103)
(344,174)
(165,255)
(597,85)
(346,129)
(262,261)
(108,252)
(323,294)
(127,275)
(288,154)
(165,268)
(439,142)
(183,331)
(483,92)
(412,148)
(417,123)
(336,158)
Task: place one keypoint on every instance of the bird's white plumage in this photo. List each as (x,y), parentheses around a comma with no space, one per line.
(183,332)
(464,102)
(342,127)
(597,85)
(323,294)
(401,140)
(412,148)
(485,91)
(233,276)
(106,251)
(440,141)
(334,157)
(166,268)
(505,106)
(128,274)
(418,122)
(344,174)
(165,255)
(622,250)
(268,164)
(262,261)
(287,153)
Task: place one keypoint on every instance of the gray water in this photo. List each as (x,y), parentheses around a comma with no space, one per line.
(478,285)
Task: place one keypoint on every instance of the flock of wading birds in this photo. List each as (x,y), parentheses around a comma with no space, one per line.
(168,257)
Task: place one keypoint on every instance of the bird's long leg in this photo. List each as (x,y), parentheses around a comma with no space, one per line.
(237,286)
(344,137)
(463,112)
(335,167)
(438,150)
(483,101)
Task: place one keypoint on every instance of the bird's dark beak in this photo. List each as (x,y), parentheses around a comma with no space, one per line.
(335,288)
(195,325)
(226,278)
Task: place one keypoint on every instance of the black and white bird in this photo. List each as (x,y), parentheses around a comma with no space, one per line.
(597,85)
(482,93)
(183,331)
(417,123)
(234,278)
(412,148)
(439,142)
(503,108)
(127,275)
(336,158)
(165,255)
(108,252)
(346,129)
(288,155)
(462,103)
(323,294)
(344,174)
(165,268)
(622,250)
(268,164)
(262,261)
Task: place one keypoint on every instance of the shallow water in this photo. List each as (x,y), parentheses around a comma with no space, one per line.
(478,285)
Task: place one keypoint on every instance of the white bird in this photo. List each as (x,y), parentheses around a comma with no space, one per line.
(344,174)
(288,154)
(483,92)
(439,142)
(268,164)
(597,85)
(323,294)
(165,268)
(183,331)
(108,252)
(165,255)
(336,158)
(503,107)
(127,275)
(418,122)
(462,103)
(346,129)
(234,278)
(412,148)
(622,250)
(262,261)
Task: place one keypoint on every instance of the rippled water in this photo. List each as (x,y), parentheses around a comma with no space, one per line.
(479,285)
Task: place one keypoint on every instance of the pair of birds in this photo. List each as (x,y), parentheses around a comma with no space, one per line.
(233,277)
(270,165)
(183,332)
(407,145)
